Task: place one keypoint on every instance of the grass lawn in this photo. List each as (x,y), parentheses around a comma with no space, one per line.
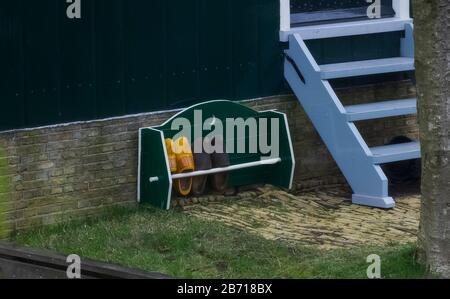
(186,247)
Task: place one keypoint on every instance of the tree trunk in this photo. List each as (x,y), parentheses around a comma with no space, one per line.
(432,34)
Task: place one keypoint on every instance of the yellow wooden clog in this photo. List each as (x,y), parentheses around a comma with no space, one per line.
(171,155)
(185,163)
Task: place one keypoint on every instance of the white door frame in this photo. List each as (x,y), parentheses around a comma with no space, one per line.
(401,8)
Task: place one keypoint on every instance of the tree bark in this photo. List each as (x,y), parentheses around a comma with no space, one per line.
(432,35)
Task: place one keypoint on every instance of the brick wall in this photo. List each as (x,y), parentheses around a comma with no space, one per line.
(49,174)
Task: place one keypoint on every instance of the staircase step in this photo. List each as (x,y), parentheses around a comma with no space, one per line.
(346,28)
(366,67)
(397,152)
(381,110)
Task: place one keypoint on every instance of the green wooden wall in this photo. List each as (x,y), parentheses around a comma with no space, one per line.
(131,56)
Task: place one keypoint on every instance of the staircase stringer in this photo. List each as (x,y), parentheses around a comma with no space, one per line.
(342,138)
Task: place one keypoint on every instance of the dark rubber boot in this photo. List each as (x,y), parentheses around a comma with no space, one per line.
(202,162)
(219,181)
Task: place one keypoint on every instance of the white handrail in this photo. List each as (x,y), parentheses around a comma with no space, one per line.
(221,170)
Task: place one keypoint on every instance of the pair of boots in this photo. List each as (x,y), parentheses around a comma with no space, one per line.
(182,160)
(205,161)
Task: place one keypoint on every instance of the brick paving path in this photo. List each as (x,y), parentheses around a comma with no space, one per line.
(321,218)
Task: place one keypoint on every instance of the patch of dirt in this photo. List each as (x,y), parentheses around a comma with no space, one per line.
(321,218)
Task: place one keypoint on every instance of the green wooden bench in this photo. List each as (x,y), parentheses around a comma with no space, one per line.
(246,168)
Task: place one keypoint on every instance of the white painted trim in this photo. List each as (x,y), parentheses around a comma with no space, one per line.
(291,145)
(401,8)
(139,167)
(285,15)
(169,173)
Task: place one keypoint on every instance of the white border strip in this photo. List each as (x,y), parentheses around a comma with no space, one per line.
(139,167)
(291,145)
(169,173)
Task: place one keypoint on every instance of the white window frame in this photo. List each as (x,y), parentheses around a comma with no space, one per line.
(401,8)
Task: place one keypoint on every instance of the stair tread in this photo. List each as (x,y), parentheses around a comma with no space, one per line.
(366,67)
(381,109)
(396,152)
(341,29)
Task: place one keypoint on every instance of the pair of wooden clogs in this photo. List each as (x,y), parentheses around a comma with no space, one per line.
(182,160)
